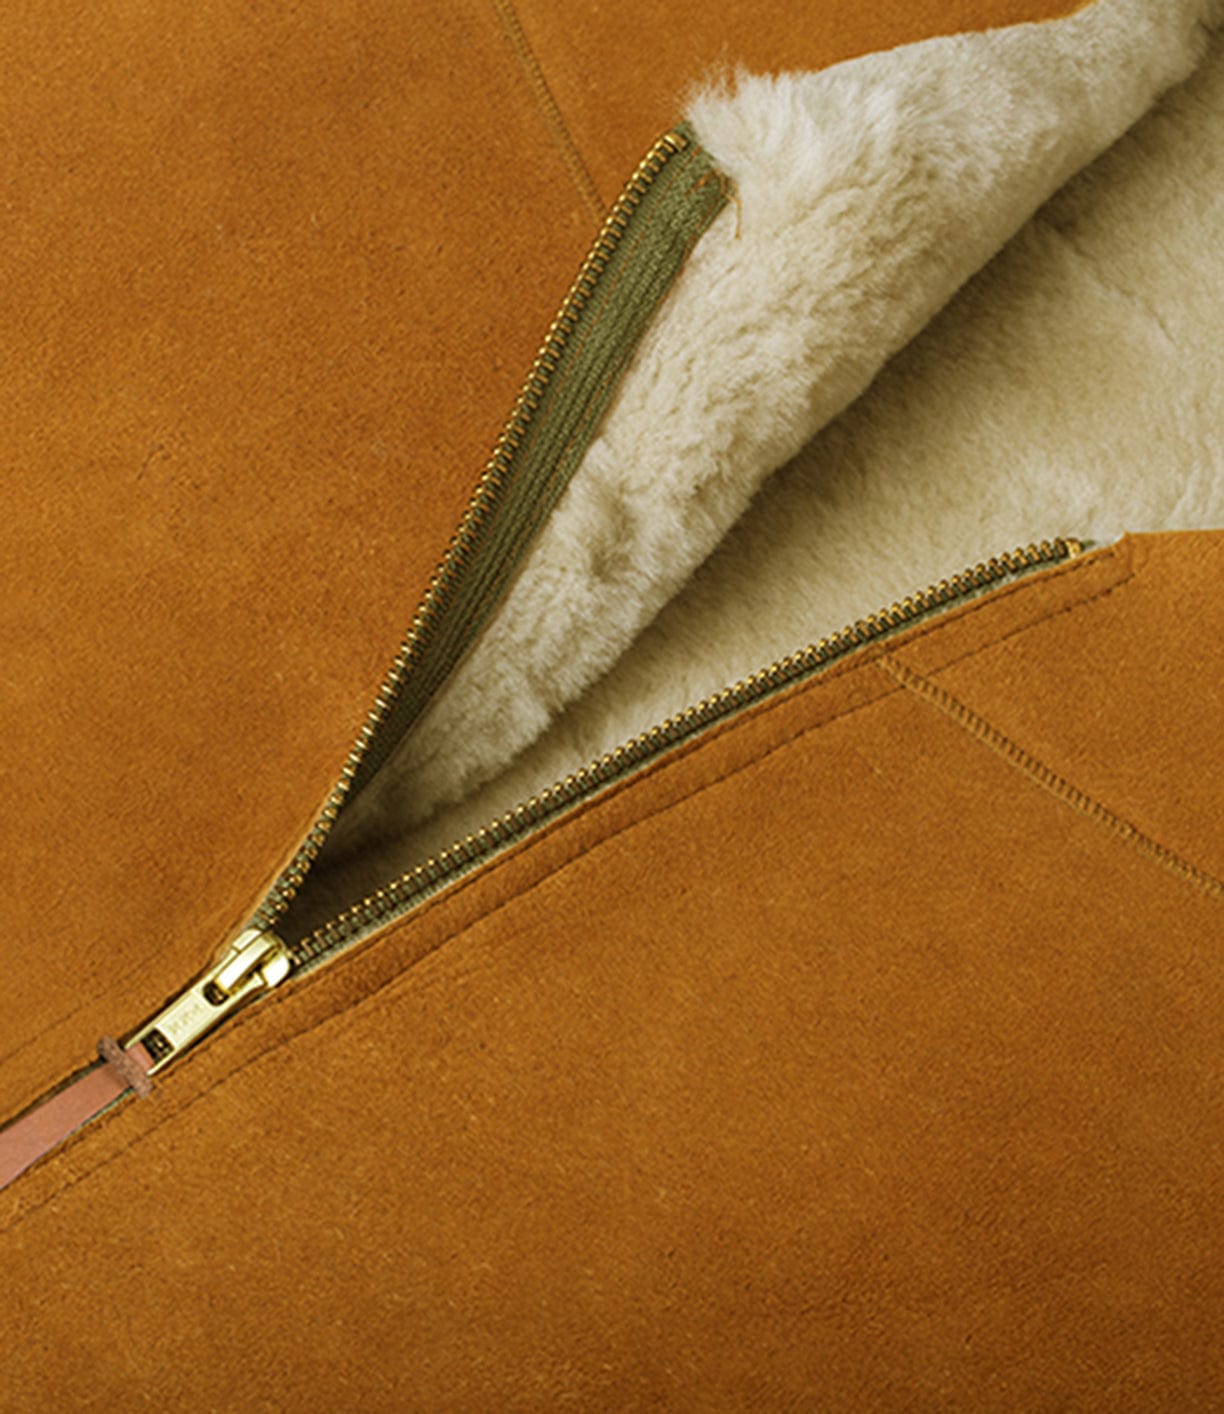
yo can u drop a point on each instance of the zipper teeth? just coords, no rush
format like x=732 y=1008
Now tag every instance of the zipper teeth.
x=482 y=504
x=428 y=878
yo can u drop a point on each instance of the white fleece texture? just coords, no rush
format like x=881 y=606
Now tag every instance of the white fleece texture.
x=1070 y=389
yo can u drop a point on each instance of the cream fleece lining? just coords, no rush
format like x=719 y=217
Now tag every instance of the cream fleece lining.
x=869 y=193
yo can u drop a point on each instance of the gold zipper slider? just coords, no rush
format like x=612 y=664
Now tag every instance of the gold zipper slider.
x=254 y=963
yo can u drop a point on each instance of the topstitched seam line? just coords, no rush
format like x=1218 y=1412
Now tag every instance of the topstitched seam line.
x=384 y=990
x=1048 y=779
x=833 y=672
x=549 y=109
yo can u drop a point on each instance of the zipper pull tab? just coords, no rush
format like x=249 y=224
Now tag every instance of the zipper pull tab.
x=254 y=963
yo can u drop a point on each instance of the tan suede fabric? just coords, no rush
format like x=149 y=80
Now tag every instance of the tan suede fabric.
x=863 y=1054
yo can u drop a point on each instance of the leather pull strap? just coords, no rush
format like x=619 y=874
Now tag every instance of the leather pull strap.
x=45 y=1125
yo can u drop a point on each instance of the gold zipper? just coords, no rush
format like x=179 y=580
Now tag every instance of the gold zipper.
x=412 y=888
x=259 y=960
x=484 y=500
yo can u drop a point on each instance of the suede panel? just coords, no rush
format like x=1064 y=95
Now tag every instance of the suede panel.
x=256 y=343
x=616 y=74
x=832 y=1059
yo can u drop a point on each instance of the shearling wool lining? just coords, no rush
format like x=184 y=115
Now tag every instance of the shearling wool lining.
x=868 y=194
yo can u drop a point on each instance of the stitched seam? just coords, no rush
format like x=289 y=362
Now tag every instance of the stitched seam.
x=383 y=992
x=832 y=673
x=1024 y=628
x=548 y=108
x=1048 y=779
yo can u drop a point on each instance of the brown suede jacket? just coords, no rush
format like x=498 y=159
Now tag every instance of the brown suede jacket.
x=852 y=1043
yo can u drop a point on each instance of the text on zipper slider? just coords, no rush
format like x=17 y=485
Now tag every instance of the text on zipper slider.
x=255 y=962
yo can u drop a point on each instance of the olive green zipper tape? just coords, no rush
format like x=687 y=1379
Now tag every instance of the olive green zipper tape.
x=663 y=210
x=673 y=210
